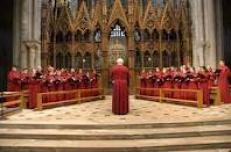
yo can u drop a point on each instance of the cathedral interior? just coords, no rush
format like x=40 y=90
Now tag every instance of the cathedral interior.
x=92 y=34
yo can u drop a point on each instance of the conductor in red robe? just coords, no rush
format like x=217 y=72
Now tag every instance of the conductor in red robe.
x=120 y=80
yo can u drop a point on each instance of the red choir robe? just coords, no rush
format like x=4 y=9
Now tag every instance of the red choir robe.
x=24 y=81
x=143 y=83
x=223 y=84
x=212 y=78
x=13 y=81
x=59 y=87
x=157 y=83
x=177 y=80
x=86 y=85
x=149 y=84
x=67 y=86
x=51 y=87
x=167 y=83
x=34 y=88
x=94 y=84
x=192 y=84
x=204 y=86
x=79 y=83
x=120 y=79
x=184 y=85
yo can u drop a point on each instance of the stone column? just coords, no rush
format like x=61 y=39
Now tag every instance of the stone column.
x=16 y=36
x=105 y=66
x=36 y=27
x=24 y=32
x=33 y=51
x=197 y=32
x=131 y=56
x=210 y=33
x=219 y=29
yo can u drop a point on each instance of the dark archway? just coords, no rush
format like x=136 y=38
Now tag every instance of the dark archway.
x=6 y=39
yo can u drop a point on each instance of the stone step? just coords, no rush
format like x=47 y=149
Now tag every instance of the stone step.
x=116 y=134
x=144 y=145
x=74 y=125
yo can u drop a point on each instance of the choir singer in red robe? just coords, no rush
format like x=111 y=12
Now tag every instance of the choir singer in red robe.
x=223 y=82
x=120 y=80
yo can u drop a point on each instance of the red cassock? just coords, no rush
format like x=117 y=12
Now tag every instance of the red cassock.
x=86 y=85
x=223 y=84
x=157 y=82
x=177 y=85
x=94 y=84
x=13 y=82
x=149 y=84
x=120 y=78
x=51 y=88
x=204 y=86
x=192 y=84
x=34 y=88
x=167 y=83
x=24 y=81
x=212 y=78
x=67 y=86
x=143 y=84
x=184 y=85
x=59 y=87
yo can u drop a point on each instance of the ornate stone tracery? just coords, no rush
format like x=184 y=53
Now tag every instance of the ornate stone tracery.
x=158 y=31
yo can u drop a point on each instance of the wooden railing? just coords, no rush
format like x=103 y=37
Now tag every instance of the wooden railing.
x=8 y=100
x=215 y=95
x=163 y=97
x=77 y=97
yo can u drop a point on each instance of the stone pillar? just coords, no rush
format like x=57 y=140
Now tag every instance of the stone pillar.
x=36 y=29
x=105 y=66
x=219 y=29
x=197 y=32
x=24 y=33
x=27 y=28
x=131 y=56
x=16 y=36
x=33 y=53
x=210 y=33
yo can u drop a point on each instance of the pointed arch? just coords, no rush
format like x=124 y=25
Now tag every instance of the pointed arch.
x=172 y=35
x=78 y=36
x=87 y=61
x=78 y=60
x=59 y=60
x=164 y=35
x=147 y=59
x=68 y=36
x=156 y=58
x=155 y=35
x=67 y=60
x=146 y=35
x=59 y=37
x=138 y=59
x=165 y=58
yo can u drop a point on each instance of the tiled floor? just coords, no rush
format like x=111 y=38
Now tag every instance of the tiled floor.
x=99 y=112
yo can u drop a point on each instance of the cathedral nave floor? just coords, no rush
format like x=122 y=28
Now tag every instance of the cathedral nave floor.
x=141 y=111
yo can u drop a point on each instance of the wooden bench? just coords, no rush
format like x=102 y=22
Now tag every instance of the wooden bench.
x=198 y=102
x=77 y=99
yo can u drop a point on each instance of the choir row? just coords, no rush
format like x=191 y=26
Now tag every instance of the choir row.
x=187 y=77
x=50 y=80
